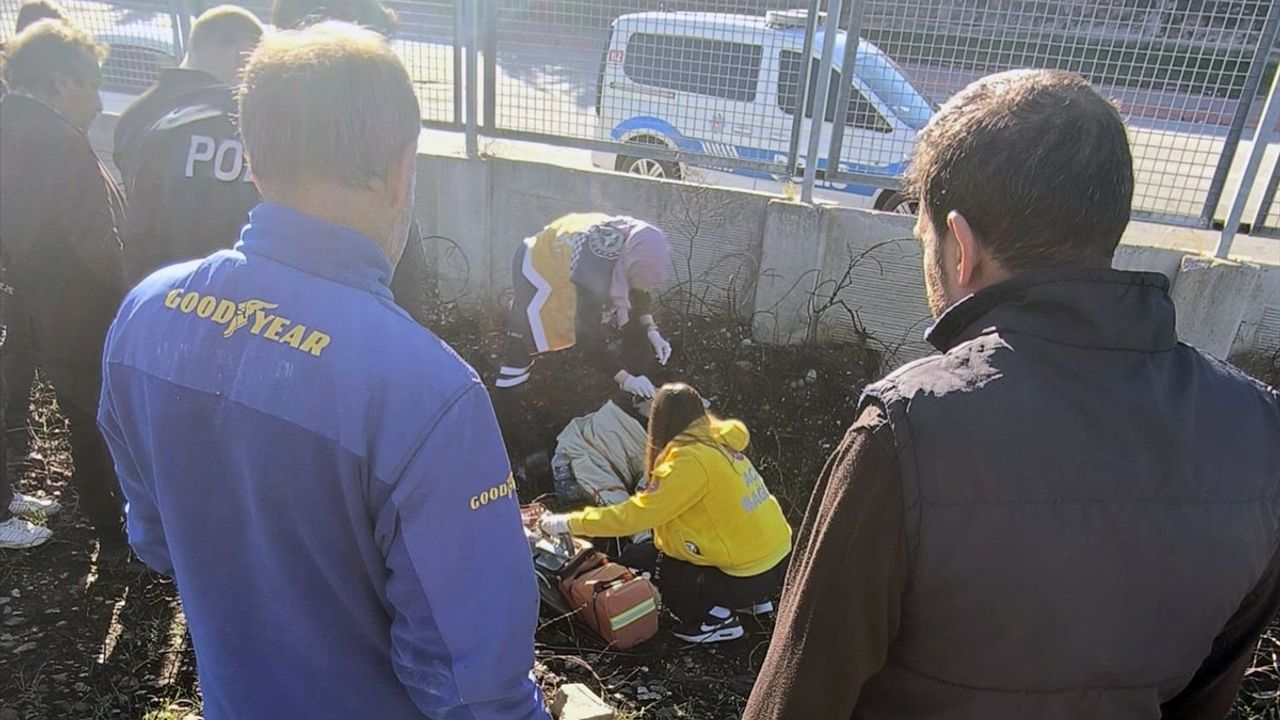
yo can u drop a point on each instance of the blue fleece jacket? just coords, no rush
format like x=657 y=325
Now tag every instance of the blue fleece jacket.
x=326 y=483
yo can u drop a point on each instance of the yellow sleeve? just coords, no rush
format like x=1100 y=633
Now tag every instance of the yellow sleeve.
x=681 y=482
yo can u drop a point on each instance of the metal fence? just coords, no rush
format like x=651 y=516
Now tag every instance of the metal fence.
x=765 y=93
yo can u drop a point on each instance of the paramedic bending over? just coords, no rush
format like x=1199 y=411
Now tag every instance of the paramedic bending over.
x=582 y=276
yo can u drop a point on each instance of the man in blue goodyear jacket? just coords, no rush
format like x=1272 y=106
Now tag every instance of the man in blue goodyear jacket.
x=323 y=478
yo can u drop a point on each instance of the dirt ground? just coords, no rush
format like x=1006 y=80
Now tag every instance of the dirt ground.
x=82 y=641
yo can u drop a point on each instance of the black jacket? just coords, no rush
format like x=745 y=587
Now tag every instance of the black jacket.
x=59 y=240
x=1087 y=504
x=190 y=191
x=176 y=87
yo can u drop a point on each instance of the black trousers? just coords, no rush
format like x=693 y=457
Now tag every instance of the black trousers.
x=690 y=591
x=75 y=372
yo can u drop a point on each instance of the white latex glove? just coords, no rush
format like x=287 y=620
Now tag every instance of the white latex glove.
x=552 y=524
x=661 y=348
x=635 y=384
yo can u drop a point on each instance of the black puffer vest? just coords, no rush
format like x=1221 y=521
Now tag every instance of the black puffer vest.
x=1087 y=503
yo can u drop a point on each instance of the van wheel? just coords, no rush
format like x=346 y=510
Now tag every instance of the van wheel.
x=649 y=167
x=898 y=204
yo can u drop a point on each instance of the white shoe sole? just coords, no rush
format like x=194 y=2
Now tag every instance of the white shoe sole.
x=26 y=544
x=34 y=510
x=723 y=634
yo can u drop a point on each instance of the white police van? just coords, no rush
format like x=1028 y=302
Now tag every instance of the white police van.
x=729 y=85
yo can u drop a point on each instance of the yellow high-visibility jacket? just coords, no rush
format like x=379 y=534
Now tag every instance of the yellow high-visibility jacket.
x=706 y=504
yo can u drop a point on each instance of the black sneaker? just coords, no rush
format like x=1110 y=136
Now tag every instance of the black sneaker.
x=719 y=625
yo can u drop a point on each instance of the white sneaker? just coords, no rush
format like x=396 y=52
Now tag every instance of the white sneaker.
x=31 y=505
x=16 y=534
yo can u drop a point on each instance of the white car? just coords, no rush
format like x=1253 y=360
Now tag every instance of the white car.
x=729 y=85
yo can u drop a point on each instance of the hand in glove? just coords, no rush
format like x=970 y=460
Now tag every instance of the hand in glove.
x=661 y=348
x=635 y=384
x=553 y=524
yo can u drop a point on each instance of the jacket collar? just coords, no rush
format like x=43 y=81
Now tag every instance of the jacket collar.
x=1094 y=308
x=182 y=78
x=316 y=247
x=20 y=95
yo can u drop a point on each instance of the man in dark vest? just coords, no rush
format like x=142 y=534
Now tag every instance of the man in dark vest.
x=1065 y=514
x=179 y=152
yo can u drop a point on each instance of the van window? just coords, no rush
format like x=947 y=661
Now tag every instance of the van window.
x=716 y=68
x=862 y=114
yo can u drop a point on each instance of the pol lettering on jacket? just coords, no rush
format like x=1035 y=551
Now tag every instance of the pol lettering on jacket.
x=226 y=156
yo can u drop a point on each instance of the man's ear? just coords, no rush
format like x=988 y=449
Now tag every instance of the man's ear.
x=399 y=174
x=970 y=256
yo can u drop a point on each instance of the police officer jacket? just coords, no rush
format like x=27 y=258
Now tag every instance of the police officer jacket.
x=175 y=88
x=190 y=192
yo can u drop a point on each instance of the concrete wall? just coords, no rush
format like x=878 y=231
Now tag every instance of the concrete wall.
x=795 y=272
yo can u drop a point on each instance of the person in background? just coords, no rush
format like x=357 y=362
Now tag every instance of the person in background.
x=720 y=540
x=180 y=153
x=60 y=212
x=221 y=39
x=32 y=11
x=1066 y=513
x=579 y=269
x=18 y=368
x=583 y=281
x=323 y=478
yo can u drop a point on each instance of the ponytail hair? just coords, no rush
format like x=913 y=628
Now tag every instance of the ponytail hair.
x=676 y=407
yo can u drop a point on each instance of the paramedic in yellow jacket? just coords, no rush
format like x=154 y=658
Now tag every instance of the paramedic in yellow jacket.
x=580 y=276
x=720 y=541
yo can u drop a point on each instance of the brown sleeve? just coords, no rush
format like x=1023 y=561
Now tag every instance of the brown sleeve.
x=1212 y=690
x=842 y=601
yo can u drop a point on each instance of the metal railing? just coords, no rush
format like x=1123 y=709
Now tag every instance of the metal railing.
x=765 y=93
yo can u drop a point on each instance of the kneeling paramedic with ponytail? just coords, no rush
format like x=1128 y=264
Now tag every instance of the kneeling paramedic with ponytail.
x=720 y=541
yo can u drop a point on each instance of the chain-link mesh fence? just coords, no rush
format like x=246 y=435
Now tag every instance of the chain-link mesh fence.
x=141 y=39
x=139 y=34
x=1183 y=74
x=725 y=90
x=1267 y=220
x=641 y=87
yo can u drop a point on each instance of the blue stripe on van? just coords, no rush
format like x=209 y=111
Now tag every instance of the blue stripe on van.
x=668 y=132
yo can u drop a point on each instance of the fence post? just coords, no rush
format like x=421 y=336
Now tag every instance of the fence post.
x=459 y=63
x=1266 y=125
x=180 y=19
x=851 y=43
x=802 y=92
x=1250 y=90
x=821 y=89
x=1268 y=197
x=488 y=30
x=470 y=38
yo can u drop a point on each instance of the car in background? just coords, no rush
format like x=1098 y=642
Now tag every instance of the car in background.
x=719 y=85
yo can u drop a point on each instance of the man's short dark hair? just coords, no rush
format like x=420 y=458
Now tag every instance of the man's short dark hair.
x=35 y=10
x=35 y=57
x=286 y=14
x=225 y=26
x=1037 y=162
